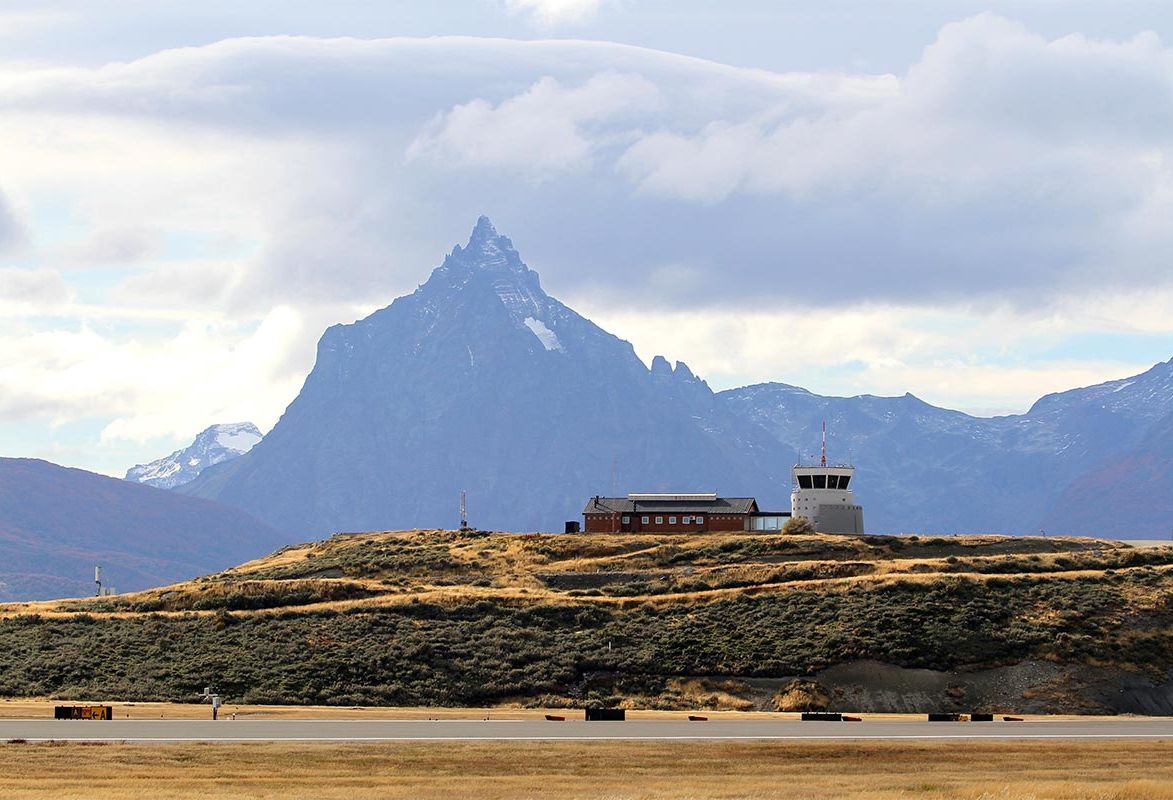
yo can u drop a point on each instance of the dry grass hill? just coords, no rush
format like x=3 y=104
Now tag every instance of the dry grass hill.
x=664 y=621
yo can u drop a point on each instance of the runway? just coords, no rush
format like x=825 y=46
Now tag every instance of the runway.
x=293 y=730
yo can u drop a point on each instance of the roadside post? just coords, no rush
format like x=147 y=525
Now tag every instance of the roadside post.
x=210 y=695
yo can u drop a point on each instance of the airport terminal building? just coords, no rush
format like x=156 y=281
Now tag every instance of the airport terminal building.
x=673 y=513
x=822 y=493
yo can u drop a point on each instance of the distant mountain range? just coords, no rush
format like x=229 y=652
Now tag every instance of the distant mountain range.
x=57 y=524
x=481 y=381
x=214 y=445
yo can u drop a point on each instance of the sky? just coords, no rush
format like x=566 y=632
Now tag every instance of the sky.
x=967 y=201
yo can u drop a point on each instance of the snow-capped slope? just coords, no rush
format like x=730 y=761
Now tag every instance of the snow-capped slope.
x=214 y=445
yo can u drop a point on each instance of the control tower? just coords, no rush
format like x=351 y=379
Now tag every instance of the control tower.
x=821 y=493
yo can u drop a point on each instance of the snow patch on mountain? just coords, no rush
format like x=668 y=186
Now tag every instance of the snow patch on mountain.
x=547 y=337
x=214 y=445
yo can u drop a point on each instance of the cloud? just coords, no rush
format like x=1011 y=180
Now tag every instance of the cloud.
x=164 y=385
x=12 y=232
x=37 y=290
x=973 y=358
x=543 y=131
x=549 y=13
x=117 y=247
x=1003 y=164
x=702 y=210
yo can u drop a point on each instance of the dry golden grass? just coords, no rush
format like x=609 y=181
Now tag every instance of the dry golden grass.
x=599 y=770
x=505 y=568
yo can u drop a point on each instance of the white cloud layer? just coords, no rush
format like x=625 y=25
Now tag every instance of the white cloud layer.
x=546 y=130
x=167 y=385
x=1007 y=189
x=32 y=290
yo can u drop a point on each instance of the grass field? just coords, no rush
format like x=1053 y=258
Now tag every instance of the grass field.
x=597 y=770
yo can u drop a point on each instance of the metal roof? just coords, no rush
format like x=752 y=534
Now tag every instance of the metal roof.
x=625 y=505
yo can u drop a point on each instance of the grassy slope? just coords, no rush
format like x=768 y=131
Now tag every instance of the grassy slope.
x=435 y=617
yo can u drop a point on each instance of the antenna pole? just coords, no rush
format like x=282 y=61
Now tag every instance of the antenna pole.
x=824 y=460
x=463 y=510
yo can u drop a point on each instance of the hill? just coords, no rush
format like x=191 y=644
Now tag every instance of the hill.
x=57 y=523
x=481 y=381
x=666 y=621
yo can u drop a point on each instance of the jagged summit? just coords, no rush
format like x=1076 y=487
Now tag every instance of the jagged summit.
x=483 y=231
x=486 y=250
x=489 y=263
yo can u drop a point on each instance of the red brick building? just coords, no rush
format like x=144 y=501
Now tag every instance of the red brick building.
x=669 y=513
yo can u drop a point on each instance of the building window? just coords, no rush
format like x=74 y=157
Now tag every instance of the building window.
x=644 y=520
x=659 y=520
x=627 y=520
x=671 y=520
x=686 y=520
x=700 y=520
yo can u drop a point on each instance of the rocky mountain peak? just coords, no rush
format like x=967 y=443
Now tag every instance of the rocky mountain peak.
x=213 y=445
x=487 y=250
x=483 y=231
x=490 y=263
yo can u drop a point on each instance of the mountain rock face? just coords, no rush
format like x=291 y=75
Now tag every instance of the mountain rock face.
x=57 y=523
x=481 y=381
x=214 y=445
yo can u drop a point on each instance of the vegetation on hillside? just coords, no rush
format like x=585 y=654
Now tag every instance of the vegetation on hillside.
x=447 y=618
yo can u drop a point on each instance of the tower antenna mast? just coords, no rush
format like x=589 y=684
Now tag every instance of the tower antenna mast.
x=824 y=459
x=463 y=510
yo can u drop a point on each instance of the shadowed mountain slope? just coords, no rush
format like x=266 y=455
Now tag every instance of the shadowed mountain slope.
x=57 y=523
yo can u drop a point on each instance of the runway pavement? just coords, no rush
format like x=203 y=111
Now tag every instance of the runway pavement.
x=251 y=730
